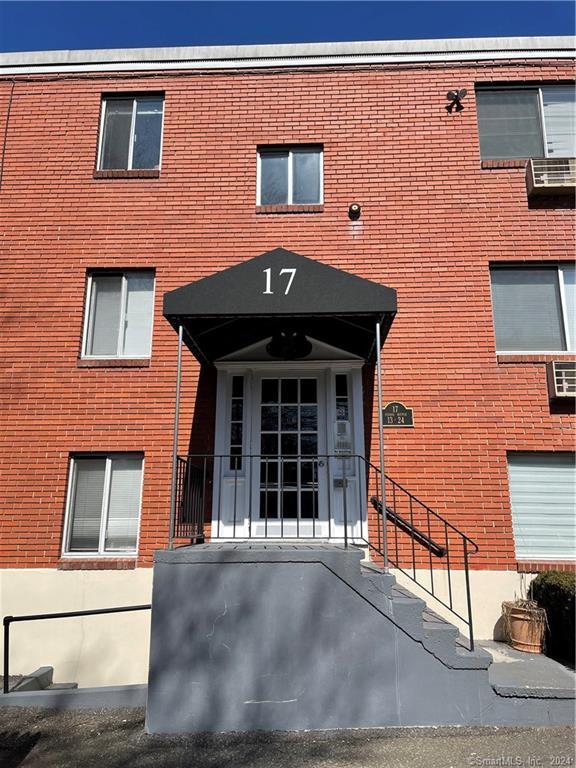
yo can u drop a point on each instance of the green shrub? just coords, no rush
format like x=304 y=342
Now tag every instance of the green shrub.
x=555 y=592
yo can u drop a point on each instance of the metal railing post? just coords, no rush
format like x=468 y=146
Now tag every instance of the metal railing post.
x=345 y=500
x=175 y=442
x=6 y=684
x=468 y=596
x=61 y=615
x=381 y=450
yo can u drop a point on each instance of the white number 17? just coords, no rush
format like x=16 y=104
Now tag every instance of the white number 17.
x=268 y=273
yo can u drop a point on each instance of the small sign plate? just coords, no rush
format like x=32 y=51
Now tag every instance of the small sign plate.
x=397 y=415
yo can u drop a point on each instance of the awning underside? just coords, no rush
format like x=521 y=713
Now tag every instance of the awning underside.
x=253 y=300
x=210 y=339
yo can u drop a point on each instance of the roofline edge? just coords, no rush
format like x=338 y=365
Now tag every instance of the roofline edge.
x=286 y=55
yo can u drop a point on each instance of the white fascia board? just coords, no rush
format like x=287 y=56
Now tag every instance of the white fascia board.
x=287 y=55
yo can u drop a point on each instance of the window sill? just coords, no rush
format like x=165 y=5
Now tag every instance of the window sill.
x=98 y=564
x=135 y=174
x=114 y=362
x=289 y=209
x=528 y=357
x=536 y=566
x=492 y=165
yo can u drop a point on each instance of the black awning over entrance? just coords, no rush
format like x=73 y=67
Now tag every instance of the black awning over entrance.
x=280 y=291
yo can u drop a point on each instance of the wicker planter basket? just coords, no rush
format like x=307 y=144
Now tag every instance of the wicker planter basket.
x=525 y=625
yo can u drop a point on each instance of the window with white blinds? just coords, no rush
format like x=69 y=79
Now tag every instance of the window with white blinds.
x=104 y=505
x=559 y=109
x=534 y=308
x=543 y=500
x=527 y=122
x=119 y=315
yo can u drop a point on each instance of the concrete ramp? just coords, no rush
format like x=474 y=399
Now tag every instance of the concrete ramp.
x=296 y=637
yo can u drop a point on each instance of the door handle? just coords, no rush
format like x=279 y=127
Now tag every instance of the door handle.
x=320 y=463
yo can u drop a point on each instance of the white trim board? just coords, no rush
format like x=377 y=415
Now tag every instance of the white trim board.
x=288 y=55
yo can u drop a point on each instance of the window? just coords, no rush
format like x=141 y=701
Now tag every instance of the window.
x=103 y=505
x=543 y=500
x=119 y=314
x=289 y=176
x=534 y=308
x=131 y=133
x=527 y=122
x=236 y=422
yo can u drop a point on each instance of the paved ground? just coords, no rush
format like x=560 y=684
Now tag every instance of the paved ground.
x=527 y=671
x=39 y=738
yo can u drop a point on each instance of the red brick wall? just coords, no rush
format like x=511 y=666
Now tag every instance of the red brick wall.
x=432 y=221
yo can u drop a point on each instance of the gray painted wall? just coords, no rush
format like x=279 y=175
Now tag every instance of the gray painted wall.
x=290 y=638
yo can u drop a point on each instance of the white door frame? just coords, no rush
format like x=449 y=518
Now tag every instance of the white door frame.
x=228 y=483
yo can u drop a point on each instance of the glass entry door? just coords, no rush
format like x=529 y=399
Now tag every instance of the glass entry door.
x=285 y=463
x=290 y=439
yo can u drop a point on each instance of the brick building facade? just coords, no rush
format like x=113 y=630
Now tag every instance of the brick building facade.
x=436 y=218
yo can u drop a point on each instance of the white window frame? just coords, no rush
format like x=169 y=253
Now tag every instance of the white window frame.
x=542 y=121
x=291 y=150
x=121 y=326
x=570 y=343
x=100 y=552
x=135 y=99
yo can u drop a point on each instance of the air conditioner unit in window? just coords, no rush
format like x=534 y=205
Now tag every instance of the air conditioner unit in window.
x=562 y=379
x=551 y=176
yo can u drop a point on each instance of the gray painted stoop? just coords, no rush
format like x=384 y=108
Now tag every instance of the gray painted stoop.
x=278 y=636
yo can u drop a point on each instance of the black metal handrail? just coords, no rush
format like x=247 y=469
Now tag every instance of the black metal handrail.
x=7 y=620
x=204 y=479
x=429 y=510
x=405 y=526
x=462 y=547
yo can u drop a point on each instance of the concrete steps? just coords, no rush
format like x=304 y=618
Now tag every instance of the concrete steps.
x=296 y=636
x=41 y=680
x=438 y=636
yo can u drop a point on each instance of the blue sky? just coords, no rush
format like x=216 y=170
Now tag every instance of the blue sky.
x=53 y=25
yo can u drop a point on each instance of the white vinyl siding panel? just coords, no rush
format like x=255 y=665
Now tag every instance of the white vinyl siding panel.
x=542 y=494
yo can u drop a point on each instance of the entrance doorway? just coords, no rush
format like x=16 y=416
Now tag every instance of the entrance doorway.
x=289 y=440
